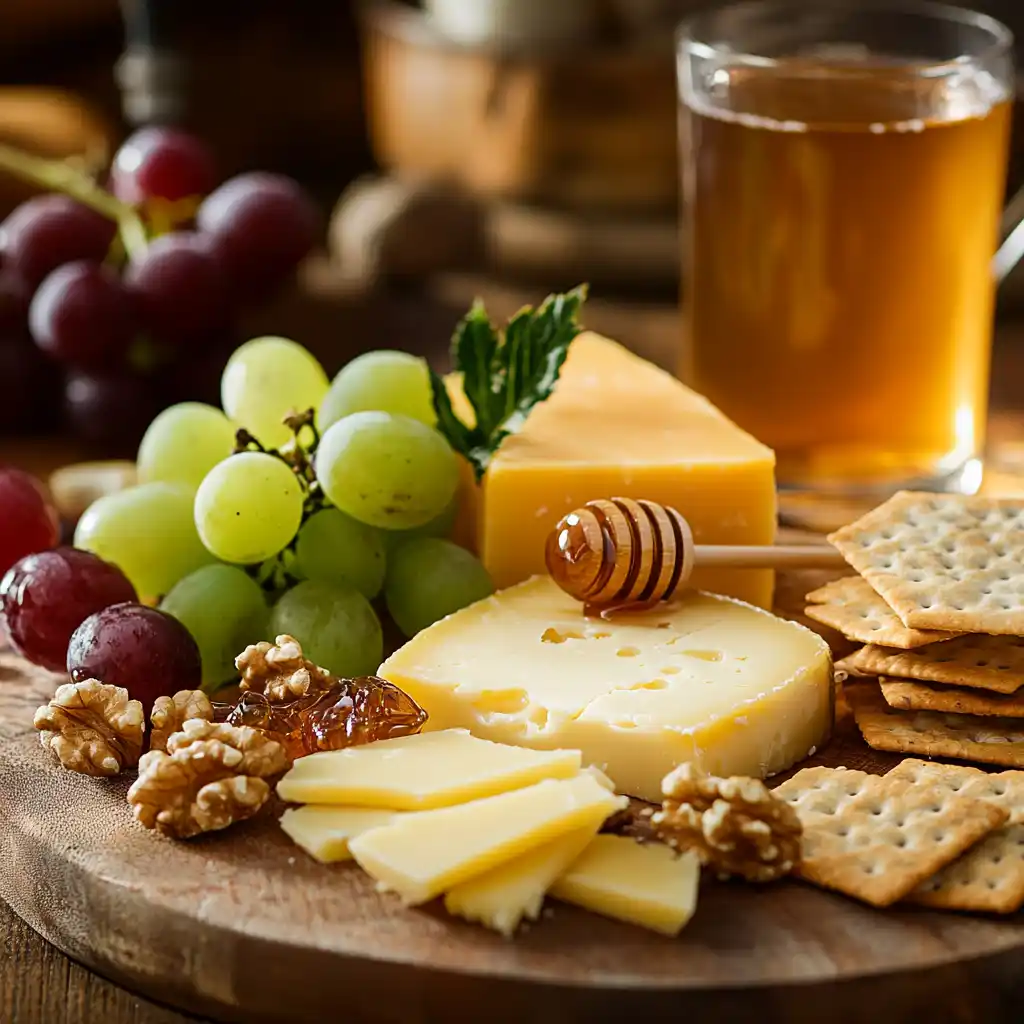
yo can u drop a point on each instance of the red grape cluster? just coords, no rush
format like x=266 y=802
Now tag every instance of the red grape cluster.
x=125 y=328
x=69 y=609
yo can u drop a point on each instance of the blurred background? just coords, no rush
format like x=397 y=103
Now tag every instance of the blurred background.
x=453 y=148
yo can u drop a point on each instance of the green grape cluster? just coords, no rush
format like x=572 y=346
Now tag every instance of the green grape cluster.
x=304 y=507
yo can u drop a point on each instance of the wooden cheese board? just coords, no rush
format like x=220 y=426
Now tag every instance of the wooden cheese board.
x=243 y=926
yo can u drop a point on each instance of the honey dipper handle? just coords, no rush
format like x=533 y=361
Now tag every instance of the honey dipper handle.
x=780 y=556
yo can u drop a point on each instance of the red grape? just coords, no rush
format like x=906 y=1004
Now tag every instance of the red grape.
x=46 y=597
x=197 y=378
x=148 y=652
x=112 y=410
x=28 y=522
x=262 y=225
x=49 y=230
x=161 y=163
x=81 y=315
x=32 y=403
x=180 y=291
x=14 y=296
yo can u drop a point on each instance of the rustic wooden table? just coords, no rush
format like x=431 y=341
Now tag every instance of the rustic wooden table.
x=39 y=985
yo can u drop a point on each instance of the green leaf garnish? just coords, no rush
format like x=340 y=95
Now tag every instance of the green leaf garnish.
x=505 y=374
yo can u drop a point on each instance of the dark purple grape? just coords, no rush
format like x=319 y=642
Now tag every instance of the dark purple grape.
x=261 y=225
x=45 y=597
x=48 y=231
x=161 y=163
x=81 y=315
x=14 y=297
x=197 y=377
x=31 y=401
x=28 y=522
x=179 y=289
x=147 y=651
x=110 y=410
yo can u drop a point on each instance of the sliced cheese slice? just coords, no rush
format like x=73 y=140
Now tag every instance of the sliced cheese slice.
x=702 y=678
x=420 y=856
x=435 y=769
x=324 y=831
x=648 y=885
x=502 y=897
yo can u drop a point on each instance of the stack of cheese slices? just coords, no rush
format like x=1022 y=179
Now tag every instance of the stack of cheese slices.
x=492 y=828
x=939 y=606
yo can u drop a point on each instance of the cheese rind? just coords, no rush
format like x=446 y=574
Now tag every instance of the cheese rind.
x=432 y=769
x=617 y=425
x=648 y=884
x=420 y=856
x=502 y=897
x=702 y=678
x=324 y=831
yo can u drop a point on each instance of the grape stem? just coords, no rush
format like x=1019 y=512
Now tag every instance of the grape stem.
x=59 y=176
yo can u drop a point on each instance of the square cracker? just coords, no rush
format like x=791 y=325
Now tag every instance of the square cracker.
x=989 y=877
x=908 y=695
x=943 y=561
x=852 y=606
x=985 y=662
x=877 y=838
x=849 y=666
x=988 y=740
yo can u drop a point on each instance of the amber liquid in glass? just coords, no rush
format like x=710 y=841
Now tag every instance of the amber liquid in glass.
x=838 y=288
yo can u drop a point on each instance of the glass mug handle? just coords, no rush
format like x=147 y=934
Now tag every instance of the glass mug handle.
x=1011 y=233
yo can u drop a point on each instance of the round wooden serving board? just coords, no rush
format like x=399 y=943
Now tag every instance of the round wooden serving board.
x=243 y=926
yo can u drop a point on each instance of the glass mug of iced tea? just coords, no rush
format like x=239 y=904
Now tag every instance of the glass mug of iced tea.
x=843 y=174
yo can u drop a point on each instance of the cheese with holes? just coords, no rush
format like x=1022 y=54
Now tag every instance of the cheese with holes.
x=702 y=678
x=419 y=856
x=618 y=426
x=432 y=769
x=324 y=831
x=503 y=897
x=648 y=885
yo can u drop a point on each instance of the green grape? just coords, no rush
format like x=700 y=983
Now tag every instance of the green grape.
x=266 y=379
x=184 y=443
x=224 y=609
x=439 y=526
x=336 y=548
x=336 y=626
x=248 y=507
x=430 y=578
x=387 y=381
x=387 y=470
x=148 y=532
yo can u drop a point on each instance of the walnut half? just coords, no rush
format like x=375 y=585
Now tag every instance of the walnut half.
x=736 y=826
x=210 y=776
x=92 y=728
x=169 y=714
x=280 y=671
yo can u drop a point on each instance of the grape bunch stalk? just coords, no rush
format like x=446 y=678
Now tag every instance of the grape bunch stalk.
x=303 y=506
x=117 y=297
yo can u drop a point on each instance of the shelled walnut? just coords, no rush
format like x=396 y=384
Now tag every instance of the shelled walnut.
x=280 y=671
x=736 y=826
x=210 y=776
x=169 y=714
x=92 y=728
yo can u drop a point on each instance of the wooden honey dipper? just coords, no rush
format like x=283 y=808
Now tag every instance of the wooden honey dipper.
x=617 y=552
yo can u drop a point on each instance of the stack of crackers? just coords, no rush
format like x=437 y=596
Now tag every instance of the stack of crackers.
x=945 y=836
x=938 y=603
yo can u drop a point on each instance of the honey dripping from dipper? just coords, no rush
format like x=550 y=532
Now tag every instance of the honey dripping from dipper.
x=619 y=554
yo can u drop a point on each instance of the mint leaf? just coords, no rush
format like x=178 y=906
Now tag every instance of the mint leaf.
x=505 y=374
